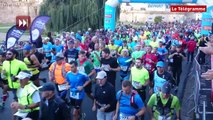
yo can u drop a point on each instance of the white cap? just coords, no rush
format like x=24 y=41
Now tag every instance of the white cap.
x=23 y=74
x=101 y=75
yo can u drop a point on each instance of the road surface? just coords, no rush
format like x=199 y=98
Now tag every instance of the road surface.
x=6 y=114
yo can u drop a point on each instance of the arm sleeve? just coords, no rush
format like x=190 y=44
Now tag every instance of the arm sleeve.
x=23 y=66
x=147 y=75
x=51 y=67
x=151 y=101
x=67 y=67
x=36 y=97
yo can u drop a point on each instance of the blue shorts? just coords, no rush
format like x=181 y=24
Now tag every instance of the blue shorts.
x=124 y=77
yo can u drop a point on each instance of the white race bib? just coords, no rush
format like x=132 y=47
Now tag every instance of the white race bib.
x=62 y=87
x=124 y=68
x=136 y=85
x=123 y=117
x=105 y=67
x=75 y=95
x=21 y=114
x=70 y=60
x=171 y=60
x=81 y=69
x=164 y=118
x=148 y=66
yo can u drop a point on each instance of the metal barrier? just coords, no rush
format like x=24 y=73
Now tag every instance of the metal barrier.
x=197 y=96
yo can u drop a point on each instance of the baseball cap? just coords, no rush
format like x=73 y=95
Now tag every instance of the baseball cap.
x=125 y=50
x=178 y=46
x=166 y=88
x=70 y=42
x=27 y=47
x=49 y=86
x=59 y=56
x=24 y=74
x=160 y=64
x=101 y=75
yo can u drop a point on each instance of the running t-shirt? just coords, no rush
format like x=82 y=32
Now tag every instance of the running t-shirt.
x=147 y=58
x=105 y=64
x=124 y=63
x=71 y=55
x=74 y=81
x=139 y=75
x=94 y=56
x=47 y=48
x=153 y=101
x=125 y=104
x=138 y=54
x=85 y=67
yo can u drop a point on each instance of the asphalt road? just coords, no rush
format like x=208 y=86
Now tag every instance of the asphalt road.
x=6 y=114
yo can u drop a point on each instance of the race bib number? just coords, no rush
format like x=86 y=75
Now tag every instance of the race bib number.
x=75 y=95
x=62 y=87
x=81 y=69
x=124 y=68
x=171 y=60
x=123 y=117
x=164 y=118
x=148 y=66
x=70 y=60
x=105 y=67
x=136 y=85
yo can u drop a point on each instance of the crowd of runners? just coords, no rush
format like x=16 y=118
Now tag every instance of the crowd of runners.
x=146 y=59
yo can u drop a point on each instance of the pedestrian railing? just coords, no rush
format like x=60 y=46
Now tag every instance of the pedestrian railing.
x=199 y=99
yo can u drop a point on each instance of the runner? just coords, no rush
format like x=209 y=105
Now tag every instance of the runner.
x=71 y=54
x=57 y=73
x=105 y=100
x=86 y=66
x=163 y=105
x=129 y=106
x=32 y=63
x=11 y=67
x=139 y=78
x=77 y=81
x=125 y=63
x=109 y=65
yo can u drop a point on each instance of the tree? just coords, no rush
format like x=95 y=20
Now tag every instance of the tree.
x=158 y=19
x=73 y=15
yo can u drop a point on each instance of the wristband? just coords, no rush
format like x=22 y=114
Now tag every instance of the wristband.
x=26 y=107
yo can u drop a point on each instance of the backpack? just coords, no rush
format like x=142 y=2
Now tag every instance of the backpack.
x=164 y=109
x=132 y=99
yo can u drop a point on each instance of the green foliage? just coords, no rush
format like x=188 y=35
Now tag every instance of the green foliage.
x=73 y=15
x=158 y=19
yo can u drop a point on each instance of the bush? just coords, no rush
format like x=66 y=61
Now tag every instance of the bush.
x=158 y=19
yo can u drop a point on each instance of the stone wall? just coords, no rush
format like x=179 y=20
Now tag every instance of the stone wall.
x=9 y=9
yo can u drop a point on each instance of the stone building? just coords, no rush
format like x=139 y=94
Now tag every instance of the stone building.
x=9 y=9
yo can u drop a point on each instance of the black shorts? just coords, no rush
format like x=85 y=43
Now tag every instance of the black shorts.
x=76 y=103
x=88 y=88
x=34 y=77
